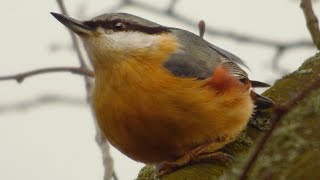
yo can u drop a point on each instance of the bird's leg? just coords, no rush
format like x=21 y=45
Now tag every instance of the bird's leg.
x=203 y=153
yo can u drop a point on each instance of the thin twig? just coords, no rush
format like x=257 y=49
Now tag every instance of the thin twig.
x=276 y=58
x=126 y=1
x=40 y=101
x=171 y=6
x=104 y=146
x=21 y=76
x=202 y=28
x=278 y=115
x=73 y=36
x=312 y=21
x=76 y=46
x=114 y=176
x=100 y=139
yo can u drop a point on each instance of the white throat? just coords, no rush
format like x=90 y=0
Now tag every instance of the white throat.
x=131 y=40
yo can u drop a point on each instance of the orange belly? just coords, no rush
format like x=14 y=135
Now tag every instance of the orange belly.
x=153 y=122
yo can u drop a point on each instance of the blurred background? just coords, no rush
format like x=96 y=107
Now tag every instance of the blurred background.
x=46 y=127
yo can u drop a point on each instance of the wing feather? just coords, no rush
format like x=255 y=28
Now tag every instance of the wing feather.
x=200 y=58
x=197 y=58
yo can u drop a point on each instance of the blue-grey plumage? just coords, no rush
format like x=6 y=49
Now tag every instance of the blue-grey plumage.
x=197 y=57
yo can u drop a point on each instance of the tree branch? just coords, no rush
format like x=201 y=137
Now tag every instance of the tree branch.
x=76 y=47
x=202 y=28
x=276 y=58
x=40 y=101
x=279 y=113
x=100 y=139
x=312 y=21
x=73 y=37
x=21 y=76
x=171 y=6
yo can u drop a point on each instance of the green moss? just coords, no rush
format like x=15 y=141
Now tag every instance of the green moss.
x=190 y=172
x=261 y=122
x=293 y=83
x=147 y=173
x=297 y=134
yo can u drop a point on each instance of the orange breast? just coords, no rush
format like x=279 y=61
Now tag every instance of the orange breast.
x=151 y=116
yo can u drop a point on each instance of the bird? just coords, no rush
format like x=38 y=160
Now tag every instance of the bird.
x=163 y=95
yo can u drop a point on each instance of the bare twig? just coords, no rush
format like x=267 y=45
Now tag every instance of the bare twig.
x=120 y=5
x=53 y=47
x=73 y=37
x=126 y=1
x=277 y=116
x=202 y=28
x=276 y=58
x=39 y=101
x=106 y=155
x=76 y=46
x=312 y=21
x=21 y=76
x=115 y=177
x=171 y=6
x=100 y=139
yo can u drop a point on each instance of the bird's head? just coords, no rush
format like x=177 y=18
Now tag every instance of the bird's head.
x=115 y=38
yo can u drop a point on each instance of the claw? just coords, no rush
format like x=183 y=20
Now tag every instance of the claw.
x=169 y=167
x=215 y=156
x=165 y=168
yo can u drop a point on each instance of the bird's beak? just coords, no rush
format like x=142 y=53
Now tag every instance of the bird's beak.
x=74 y=25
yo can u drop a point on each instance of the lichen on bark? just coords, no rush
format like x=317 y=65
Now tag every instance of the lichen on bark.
x=292 y=152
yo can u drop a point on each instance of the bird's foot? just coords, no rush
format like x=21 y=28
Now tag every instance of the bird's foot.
x=167 y=167
x=203 y=153
x=217 y=156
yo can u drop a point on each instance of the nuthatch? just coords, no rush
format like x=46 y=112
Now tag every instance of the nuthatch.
x=164 y=95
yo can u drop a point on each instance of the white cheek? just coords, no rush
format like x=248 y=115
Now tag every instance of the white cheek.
x=131 y=40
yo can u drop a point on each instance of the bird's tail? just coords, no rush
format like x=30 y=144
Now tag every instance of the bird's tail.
x=261 y=102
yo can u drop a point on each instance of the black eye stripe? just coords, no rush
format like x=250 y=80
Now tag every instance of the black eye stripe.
x=127 y=26
x=103 y=24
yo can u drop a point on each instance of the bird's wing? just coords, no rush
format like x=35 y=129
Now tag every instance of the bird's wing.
x=197 y=58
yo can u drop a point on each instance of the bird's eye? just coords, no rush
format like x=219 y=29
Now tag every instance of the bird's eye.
x=118 y=25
